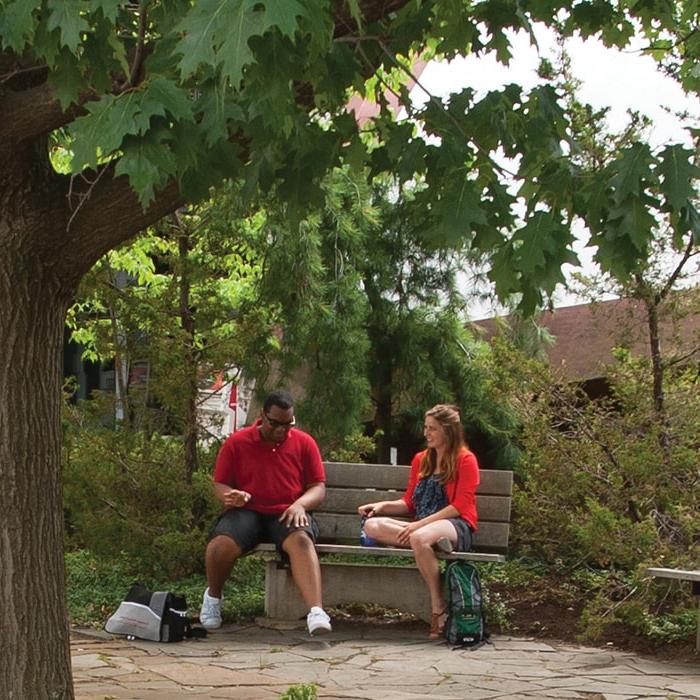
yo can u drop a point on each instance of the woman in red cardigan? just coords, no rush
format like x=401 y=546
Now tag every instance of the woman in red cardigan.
x=441 y=495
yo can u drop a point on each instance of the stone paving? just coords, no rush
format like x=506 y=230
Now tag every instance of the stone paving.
x=366 y=663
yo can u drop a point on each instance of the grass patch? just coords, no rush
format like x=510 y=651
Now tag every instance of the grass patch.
x=95 y=586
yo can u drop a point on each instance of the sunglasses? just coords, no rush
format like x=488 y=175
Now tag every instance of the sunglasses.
x=280 y=424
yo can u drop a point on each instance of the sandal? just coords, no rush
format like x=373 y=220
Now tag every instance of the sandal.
x=437 y=624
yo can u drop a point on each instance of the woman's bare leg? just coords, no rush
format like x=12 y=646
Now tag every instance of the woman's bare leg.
x=422 y=542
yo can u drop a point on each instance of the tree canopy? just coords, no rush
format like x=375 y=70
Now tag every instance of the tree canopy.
x=163 y=99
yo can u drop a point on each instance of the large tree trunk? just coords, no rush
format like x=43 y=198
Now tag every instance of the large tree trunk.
x=47 y=243
x=33 y=615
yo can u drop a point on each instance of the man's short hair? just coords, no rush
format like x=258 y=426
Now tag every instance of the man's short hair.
x=280 y=398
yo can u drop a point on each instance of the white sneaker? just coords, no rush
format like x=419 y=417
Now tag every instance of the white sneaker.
x=210 y=614
x=317 y=621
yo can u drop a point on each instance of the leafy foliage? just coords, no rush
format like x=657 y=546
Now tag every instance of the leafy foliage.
x=132 y=308
x=368 y=311
x=130 y=492
x=300 y=691
x=594 y=489
x=195 y=92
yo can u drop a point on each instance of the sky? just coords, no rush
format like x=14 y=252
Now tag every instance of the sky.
x=620 y=80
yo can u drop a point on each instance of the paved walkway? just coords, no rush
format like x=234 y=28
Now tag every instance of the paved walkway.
x=367 y=663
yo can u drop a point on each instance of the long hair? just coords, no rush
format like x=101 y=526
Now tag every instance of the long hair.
x=448 y=418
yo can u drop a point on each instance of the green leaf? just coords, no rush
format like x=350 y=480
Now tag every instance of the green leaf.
x=456 y=213
x=66 y=78
x=632 y=172
x=216 y=33
x=542 y=245
x=633 y=223
x=691 y=221
x=234 y=50
x=678 y=175
x=66 y=15
x=162 y=95
x=284 y=14
x=148 y=164
x=355 y=12
x=216 y=111
x=102 y=130
x=535 y=239
x=197 y=45
x=17 y=24
x=109 y=8
x=104 y=53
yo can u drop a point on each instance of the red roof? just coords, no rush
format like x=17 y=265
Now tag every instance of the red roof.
x=584 y=335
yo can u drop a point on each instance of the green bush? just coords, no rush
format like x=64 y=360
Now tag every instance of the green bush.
x=301 y=691
x=127 y=492
x=96 y=585
x=607 y=488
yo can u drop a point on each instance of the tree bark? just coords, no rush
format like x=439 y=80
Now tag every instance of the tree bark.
x=45 y=252
x=32 y=576
x=656 y=359
x=190 y=359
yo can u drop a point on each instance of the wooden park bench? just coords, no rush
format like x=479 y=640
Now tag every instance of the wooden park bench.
x=682 y=575
x=386 y=584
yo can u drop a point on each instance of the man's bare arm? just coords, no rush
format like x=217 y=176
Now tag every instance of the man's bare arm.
x=229 y=497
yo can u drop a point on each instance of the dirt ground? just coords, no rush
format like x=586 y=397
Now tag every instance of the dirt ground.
x=550 y=621
x=532 y=616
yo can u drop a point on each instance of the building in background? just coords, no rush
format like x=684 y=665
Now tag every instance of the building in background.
x=584 y=337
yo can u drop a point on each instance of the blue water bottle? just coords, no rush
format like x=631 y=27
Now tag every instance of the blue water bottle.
x=365 y=539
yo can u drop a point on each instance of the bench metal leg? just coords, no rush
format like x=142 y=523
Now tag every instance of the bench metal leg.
x=348 y=583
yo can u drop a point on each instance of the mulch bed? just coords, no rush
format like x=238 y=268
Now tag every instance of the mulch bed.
x=537 y=617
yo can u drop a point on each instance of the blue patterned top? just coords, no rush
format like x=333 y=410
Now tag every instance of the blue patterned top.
x=429 y=496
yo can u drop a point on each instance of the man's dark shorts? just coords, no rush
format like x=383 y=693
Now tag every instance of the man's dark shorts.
x=247 y=528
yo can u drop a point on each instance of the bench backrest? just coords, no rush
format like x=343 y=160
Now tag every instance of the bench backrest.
x=350 y=485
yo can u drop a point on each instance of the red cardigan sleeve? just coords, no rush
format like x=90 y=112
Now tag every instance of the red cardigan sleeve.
x=462 y=491
x=412 y=481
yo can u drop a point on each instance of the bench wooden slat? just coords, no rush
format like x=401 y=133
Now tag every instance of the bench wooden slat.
x=675 y=573
x=345 y=529
x=387 y=476
x=683 y=575
x=389 y=552
x=337 y=500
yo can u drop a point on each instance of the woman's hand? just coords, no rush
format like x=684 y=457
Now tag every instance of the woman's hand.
x=404 y=535
x=370 y=509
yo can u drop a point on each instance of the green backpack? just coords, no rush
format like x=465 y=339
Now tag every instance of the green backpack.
x=465 y=626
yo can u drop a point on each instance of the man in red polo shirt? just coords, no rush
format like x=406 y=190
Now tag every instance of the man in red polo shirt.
x=268 y=477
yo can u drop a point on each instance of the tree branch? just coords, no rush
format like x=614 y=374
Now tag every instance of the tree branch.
x=370 y=11
x=34 y=112
x=681 y=263
x=110 y=214
x=138 y=55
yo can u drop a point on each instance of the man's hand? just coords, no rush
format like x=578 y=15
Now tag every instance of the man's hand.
x=235 y=499
x=295 y=516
